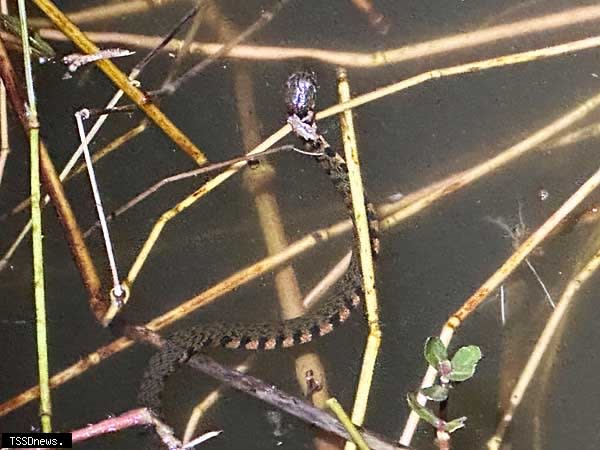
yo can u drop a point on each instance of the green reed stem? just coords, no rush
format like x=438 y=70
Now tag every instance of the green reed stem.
x=337 y=409
x=36 y=219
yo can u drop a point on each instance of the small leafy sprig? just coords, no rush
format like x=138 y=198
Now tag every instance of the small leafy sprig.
x=459 y=368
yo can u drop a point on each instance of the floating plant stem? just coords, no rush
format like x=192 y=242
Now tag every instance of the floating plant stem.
x=361 y=217
x=376 y=19
x=166 y=39
x=36 y=218
x=337 y=409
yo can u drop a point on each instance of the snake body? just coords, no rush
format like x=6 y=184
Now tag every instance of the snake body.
x=348 y=292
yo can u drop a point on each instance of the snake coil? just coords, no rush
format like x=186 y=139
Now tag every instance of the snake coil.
x=348 y=292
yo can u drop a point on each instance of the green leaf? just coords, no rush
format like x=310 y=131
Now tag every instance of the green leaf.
x=455 y=424
x=436 y=393
x=435 y=351
x=423 y=412
x=464 y=363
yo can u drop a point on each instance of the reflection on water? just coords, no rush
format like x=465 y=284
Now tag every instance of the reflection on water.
x=430 y=263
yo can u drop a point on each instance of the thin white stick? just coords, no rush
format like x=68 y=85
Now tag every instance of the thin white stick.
x=539 y=280
x=117 y=290
x=502 y=306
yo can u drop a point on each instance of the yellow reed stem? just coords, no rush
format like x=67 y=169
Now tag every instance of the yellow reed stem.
x=36 y=219
x=337 y=409
x=494 y=281
x=366 y=257
x=423 y=198
x=472 y=67
x=121 y=81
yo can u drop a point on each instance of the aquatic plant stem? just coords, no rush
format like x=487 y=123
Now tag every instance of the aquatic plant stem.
x=33 y=128
x=541 y=347
x=361 y=219
x=110 y=69
x=573 y=17
x=495 y=280
x=337 y=409
x=327 y=281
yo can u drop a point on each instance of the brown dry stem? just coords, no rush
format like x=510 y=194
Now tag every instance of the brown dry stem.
x=121 y=81
x=54 y=188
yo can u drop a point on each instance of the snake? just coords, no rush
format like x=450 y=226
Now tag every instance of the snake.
x=348 y=293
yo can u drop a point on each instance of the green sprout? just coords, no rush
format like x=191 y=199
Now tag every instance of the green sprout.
x=459 y=368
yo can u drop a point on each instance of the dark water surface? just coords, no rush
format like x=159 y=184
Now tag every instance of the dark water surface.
x=428 y=266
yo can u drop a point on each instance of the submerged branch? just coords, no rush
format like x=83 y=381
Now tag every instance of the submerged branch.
x=268 y=393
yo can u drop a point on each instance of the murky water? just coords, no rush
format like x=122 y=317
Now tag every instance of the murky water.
x=428 y=266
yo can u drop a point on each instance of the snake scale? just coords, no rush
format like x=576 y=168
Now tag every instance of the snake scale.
x=300 y=97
